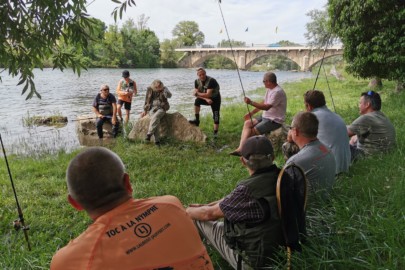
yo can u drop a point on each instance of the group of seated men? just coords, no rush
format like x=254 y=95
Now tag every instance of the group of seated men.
x=243 y=226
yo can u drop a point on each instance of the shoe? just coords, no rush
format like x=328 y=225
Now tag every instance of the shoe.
x=236 y=153
x=148 y=136
x=157 y=144
x=215 y=135
x=194 y=122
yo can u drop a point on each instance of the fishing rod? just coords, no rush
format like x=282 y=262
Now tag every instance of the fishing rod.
x=18 y=223
x=234 y=58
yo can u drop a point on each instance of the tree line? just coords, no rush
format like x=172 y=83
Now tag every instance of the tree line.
x=35 y=34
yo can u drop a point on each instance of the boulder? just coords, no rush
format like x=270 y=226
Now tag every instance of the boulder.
x=87 y=132
x=173 y=125
x=278 y=137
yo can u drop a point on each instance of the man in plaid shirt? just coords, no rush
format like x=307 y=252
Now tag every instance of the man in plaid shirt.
x=251 y=228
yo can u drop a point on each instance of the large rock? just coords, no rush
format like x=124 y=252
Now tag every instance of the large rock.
x=87 y=132
x=278 y=137
x=173 y=125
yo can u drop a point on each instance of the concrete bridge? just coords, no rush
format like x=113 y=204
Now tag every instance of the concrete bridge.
x=305 y=57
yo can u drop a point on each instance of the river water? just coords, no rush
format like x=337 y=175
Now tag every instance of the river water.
x=66 y=94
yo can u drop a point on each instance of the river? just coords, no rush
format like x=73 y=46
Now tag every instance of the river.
x=66 y=94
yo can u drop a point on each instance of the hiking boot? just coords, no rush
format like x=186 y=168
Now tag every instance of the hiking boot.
x=148 y=136
x=194 y=122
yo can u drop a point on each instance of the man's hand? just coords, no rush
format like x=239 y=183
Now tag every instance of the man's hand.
x=248 y=101
x=247 y=116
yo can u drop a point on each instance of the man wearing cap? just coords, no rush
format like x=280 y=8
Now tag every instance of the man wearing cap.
x=314 y=157
x=105 y=108
x=372 y=132
x=206 y=91
x=274 y=108
x=126 y=233
x=126 y=89
x=251 y=229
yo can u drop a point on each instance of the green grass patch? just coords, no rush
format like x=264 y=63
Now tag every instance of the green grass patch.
x=361 y=227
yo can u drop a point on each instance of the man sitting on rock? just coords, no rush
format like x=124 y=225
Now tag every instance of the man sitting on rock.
x=156 y=105
x=105 y=108
x=372 y=132
x=274 y=108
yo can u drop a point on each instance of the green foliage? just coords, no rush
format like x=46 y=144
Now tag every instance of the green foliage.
x=359 y=228
x=168 y=56
x=319 y=33
x=373 y=36
x=30 y=31
x=187 y=33
x=235 y=43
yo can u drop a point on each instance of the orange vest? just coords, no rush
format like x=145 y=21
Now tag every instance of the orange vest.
x=139 y=234
x=122 y=87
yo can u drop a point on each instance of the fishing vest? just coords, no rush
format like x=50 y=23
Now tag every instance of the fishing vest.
x=164 y=103
x=202 y=87
x=104 y=105
x=257 y=243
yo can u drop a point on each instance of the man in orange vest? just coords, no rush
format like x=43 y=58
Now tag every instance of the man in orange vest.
x=127 y=233
x=126 y=89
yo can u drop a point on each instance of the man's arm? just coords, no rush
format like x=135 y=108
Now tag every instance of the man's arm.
x=114 y=116
x=205 y=212
x=349 y=132
x=258 y=105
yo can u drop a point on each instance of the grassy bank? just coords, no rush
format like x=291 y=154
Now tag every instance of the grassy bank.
x=362 y=227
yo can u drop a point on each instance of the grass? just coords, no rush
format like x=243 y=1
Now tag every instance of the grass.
x=361 y=227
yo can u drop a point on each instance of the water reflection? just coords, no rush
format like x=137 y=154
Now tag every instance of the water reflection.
x=63 y=93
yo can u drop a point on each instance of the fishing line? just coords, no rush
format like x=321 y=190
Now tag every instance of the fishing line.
x=234 y=58
x=330 y=92
x=18 y=223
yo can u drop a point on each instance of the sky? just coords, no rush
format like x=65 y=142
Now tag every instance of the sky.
x=251 y=21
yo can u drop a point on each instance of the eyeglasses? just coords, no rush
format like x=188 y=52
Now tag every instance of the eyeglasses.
x=105 y=89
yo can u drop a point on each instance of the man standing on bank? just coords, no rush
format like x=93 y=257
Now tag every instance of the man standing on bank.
x=105 y=108
x=206 y=91
x=274 y=108
x=126 y=89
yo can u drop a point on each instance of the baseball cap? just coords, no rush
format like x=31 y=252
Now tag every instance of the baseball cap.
x=257 y=145
x=125 y=74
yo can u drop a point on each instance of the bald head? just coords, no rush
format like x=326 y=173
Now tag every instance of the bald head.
x=95 y=178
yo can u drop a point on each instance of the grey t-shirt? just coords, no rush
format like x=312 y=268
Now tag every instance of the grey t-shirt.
x=319 y=166
x=332 y=132
x=375 y=133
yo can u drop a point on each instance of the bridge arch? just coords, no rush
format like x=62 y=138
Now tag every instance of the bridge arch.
x=326 y=57
x=201 y=60
x=255 y=60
